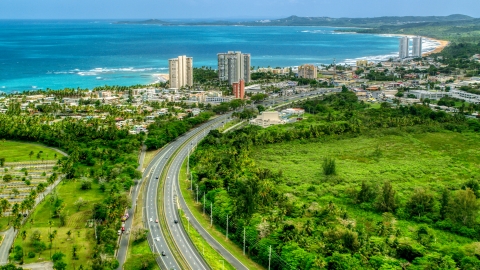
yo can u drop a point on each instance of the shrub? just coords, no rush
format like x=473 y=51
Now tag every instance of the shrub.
x=86 y=185
x=57 y=256
x=367 y=193
x=31 y=255
x=329 y=166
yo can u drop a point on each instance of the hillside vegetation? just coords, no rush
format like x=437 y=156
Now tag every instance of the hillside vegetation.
x=348 y=188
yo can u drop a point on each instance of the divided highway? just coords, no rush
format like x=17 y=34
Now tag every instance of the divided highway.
x=157 y=240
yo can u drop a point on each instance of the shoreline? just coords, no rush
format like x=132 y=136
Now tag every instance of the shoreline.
x=442 y=45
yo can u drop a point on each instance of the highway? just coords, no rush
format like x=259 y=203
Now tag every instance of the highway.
x=157 y=240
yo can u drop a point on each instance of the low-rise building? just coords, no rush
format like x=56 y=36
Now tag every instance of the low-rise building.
x=266 y=119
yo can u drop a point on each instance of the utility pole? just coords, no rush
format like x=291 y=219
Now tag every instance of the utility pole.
x=269 y=256
x=211 y=214
x=197 y=193
x=226 y=235
x=204 y=202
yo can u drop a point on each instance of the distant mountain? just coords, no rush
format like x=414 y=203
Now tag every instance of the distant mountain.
x=358 y=22
x=322 y=21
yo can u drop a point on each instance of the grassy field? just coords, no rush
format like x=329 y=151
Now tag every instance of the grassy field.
x=409 y=161
x=82 y=235
x=19 y=151
x=204 y=220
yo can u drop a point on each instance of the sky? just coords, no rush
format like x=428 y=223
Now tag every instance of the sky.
x=224 y=9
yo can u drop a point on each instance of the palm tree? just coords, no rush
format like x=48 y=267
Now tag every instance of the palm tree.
x=4 y=205
x=23 y=234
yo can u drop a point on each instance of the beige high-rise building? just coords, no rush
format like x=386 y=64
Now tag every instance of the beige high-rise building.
x=233 y=67
x=180 y=71
x=307 y=71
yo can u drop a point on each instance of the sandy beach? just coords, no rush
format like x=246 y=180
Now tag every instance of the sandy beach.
x=161 y=77
x=439 y=48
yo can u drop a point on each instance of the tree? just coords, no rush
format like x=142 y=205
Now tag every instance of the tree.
x=59 y=265
x=421 y=203
x=463 y=207
x=139 y=234
x=79 y=203
x=386 y=200
x=7 y=178
x=2 y=161
x=4 y=205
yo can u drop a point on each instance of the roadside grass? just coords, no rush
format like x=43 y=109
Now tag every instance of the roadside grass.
x=432 y=161
x=149 y=155
x=229 y=124
x=213 y=258
x=140 y=248
x=204 y=220
x=4 y=224
x=14 y=151
x=81 y=235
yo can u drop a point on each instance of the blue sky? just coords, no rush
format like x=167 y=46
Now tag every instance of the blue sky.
x=168 y=9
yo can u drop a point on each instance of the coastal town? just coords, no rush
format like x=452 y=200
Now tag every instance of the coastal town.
x=291 y=143
x=408 y=79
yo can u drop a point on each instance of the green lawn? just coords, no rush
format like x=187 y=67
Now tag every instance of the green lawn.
x=82 y=235
x=14 y=151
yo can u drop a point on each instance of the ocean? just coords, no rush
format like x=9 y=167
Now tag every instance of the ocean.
x=86 y=53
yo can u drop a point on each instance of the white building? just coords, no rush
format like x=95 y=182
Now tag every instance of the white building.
x=403 y=48
x=233 y=67
x=180 y=72
x=417 y=47
x=267 y=119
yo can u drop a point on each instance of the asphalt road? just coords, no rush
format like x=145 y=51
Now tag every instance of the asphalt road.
x=181 y=239
x=174 y=184
x=125 y=236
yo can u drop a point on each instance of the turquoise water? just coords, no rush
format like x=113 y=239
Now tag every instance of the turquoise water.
x=58 y=54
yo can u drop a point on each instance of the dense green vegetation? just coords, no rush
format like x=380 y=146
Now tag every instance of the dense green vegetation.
x=101 y=157
x=349 y=188
x=165 y=130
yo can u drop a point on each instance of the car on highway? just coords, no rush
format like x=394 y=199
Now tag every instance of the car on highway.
x=156 y=220
x=163 y=253
x=176 y=221
x=151 y=219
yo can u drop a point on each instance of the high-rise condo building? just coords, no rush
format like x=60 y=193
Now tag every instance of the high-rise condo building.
x=233 y=67
x=307 y=71
x=417 y=47
x=403 y=48
x=180 y=72
x=239 y=89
